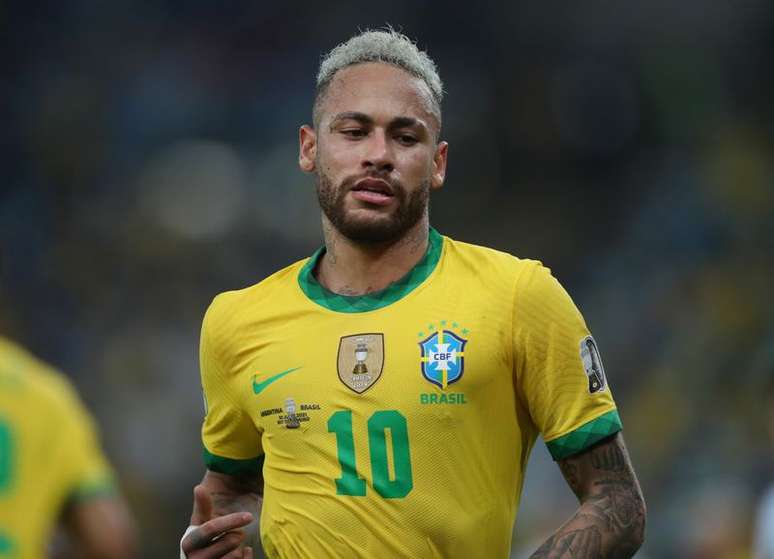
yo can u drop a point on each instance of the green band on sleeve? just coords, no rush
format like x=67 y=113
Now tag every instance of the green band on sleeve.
x=585 y=435
x=233 y=466
x=93 y=489
x=6 y=545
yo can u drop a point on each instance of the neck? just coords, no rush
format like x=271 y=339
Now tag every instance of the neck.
x=351 y=268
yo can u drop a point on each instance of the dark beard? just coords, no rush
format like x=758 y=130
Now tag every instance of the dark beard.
x=411 y=208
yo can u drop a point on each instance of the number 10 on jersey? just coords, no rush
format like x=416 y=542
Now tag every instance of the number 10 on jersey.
x=350 y=483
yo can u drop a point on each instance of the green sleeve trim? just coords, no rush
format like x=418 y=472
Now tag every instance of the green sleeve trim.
x=585 y=435
x=6 y=545
x=233 y=466
x=104 y=487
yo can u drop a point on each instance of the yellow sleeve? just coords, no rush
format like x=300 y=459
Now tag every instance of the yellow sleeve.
x=88 y=470
x=232 y=444
x=559 y=373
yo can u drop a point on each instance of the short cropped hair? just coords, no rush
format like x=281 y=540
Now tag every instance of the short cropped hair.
x=387 y=46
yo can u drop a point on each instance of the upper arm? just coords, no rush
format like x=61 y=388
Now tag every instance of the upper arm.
x=101 y=527
x=232 y=444
x=95 y=515
x=558 y=370
x=602 y=476
x=561 y=380
x=233 y=452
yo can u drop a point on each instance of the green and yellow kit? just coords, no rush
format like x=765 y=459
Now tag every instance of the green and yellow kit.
x=49 y=452
x=399 y=423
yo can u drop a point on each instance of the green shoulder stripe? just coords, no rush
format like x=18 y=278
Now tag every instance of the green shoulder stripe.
x=233 y=466
x=585 y=435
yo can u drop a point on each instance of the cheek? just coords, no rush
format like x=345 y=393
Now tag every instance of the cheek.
x=337 y=161
x=418 y=165
x=326 y=166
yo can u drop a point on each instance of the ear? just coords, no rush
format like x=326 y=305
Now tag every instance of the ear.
x=307 y=148
x=439 y=165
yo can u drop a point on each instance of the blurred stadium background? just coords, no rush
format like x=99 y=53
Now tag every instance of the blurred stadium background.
x=149 y=161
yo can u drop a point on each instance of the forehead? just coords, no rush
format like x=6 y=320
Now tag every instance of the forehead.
x=378 y=90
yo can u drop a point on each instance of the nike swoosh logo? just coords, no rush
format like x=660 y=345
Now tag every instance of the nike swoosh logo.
x=259 y=387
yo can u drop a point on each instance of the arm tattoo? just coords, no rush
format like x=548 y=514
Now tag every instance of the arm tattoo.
x=610 y=522
x=616 y=503
x=586 y=542
x=609 y=458
x=570 y=473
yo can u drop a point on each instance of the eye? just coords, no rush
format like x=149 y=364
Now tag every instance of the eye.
x=407 y=139
x=354 y=132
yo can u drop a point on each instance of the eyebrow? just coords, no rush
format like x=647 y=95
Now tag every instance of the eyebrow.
x=362 y=118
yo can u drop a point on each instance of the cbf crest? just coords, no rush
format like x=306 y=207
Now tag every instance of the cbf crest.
x=443 y=357
x=361 y=360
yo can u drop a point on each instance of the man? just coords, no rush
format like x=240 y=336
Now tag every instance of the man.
x=52 y=469
x=381 y=398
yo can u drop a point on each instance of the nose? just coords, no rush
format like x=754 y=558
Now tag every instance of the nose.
x=378 y=155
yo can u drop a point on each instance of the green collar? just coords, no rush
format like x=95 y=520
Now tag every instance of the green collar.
x=371 y=301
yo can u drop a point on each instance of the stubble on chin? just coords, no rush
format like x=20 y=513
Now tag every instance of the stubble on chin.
x=384 y=229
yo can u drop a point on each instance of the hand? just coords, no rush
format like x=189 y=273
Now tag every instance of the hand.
x=216 y=537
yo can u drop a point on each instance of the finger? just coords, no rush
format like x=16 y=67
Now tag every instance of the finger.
x=247 y=553
x=203 y=535
x=221 y=548
x=202 y=508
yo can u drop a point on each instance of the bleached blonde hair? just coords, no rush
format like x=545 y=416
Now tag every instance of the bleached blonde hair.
x=387 y=46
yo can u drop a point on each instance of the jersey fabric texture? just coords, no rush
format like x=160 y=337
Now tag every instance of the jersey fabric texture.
x=398 y=424
x=49 y=453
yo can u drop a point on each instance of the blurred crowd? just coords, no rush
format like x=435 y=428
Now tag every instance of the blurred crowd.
x=149 y=155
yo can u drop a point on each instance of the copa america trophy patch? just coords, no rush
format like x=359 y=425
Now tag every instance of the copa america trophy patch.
x=360 y=360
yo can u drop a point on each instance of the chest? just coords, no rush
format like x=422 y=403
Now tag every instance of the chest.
x=428 y=361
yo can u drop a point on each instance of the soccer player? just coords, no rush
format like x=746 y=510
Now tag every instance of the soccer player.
x=381 y=398
x=52 y=469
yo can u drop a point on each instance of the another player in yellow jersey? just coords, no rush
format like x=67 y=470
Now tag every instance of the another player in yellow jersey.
x=381 y=398
x=52 y=468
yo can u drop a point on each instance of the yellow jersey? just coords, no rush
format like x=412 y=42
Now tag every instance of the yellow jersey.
x=399 y=423
x=49 y=453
